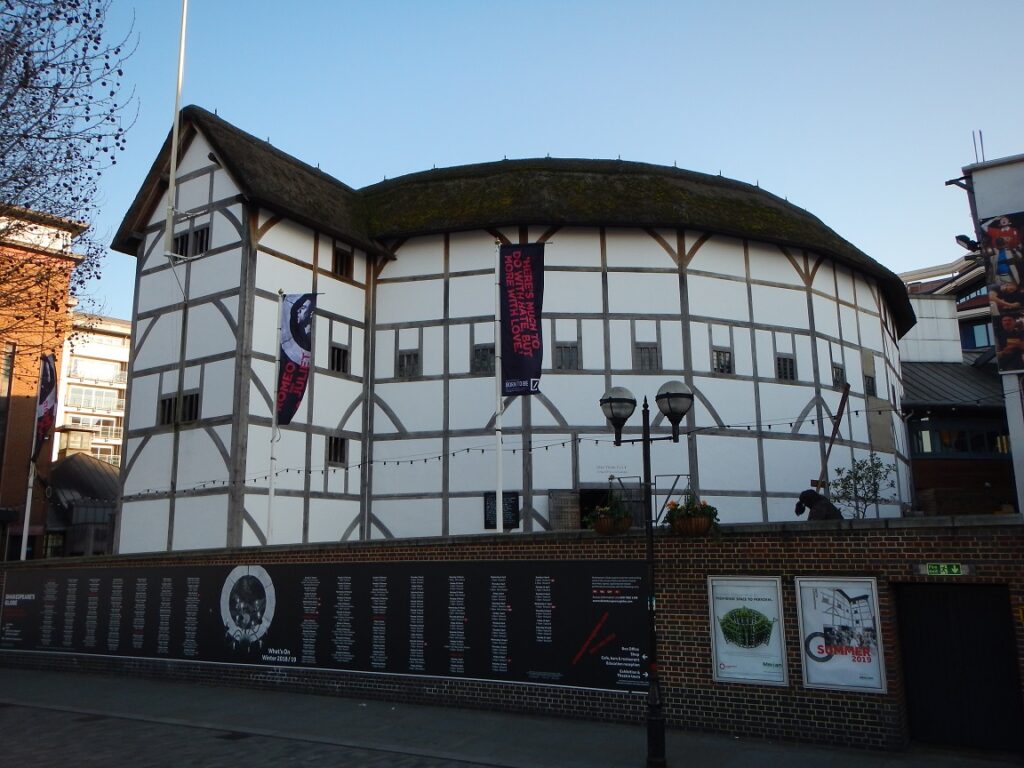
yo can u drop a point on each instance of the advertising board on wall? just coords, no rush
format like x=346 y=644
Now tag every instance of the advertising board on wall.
x=747 y=632
x=569 y=623
x=841 y=648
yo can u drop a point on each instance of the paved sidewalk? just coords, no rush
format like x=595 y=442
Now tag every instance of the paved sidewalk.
x=52 y=718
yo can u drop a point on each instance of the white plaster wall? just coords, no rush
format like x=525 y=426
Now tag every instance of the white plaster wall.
x=218 y=389
x=732 y=399
x=193 y=194
x=415 y=301
x=196 y=157
x=769 y=264
x=575 y=396
x=200 y=523
x=472 y=402
x=844 y=284
x=632 y=293
x=199 y=460
x=287 y=527
x=330 y=518
x=413 y=466
x=789 y=466
x=332 y=397
x=633 y=248
x=672 y=345
x=720 y=255
x=592 y=343
x=736 y=509
x=469 y=251
x=143 y=401
x=404 y=519
x=573 y=247
x=417 y=404
x=571 y=292
x=432 y=357
x=870 y=329
x=465 y=516
x=470 y=296
x=826 y=316
x=257 y=456
x=212 y=274
x=151 y=467
x=782 y=307
x=292 y=239
x=552 y=461
x=260 y=399
x=159 y=288
x=340 y=298
x=143 y=526
x=711 y=297
x=621 y=345
x=208 y=332
x=419 y=256
x=224 y=187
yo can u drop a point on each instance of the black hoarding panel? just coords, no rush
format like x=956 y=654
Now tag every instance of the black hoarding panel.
x=576 y=623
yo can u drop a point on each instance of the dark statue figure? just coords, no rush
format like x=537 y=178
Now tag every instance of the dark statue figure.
x=820 y=507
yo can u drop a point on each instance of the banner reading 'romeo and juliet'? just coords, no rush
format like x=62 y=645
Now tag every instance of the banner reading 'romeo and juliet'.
x=522 y=296
x=294 y=335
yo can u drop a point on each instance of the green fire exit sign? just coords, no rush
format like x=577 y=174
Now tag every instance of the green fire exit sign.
x=945 y=569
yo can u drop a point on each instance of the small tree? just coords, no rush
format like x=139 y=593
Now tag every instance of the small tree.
x=62 y=121
x=862 y=485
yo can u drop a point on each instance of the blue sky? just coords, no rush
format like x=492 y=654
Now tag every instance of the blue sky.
x=858 y=112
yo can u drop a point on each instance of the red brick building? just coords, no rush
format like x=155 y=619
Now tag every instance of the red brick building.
x=36 y=263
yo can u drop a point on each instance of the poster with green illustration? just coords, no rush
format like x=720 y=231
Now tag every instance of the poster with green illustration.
x=747 y=638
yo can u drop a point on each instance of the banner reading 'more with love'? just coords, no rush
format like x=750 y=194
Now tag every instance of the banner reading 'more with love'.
x=522 y=297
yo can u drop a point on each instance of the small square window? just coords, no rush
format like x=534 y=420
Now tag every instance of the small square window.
x=646 y=357
x=343 y=262
x=838 y=376
x=869 y=386
x=567 y=356
x=190 y=407
x=181 y=244
x=339 y=361
x=721 y=360
x=408 y=364
x=337 y=450
x=200 y=240
x=483 y=359
x=167 y=409
x=785 y=368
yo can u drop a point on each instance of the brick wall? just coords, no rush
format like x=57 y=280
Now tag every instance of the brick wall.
x=890 y=551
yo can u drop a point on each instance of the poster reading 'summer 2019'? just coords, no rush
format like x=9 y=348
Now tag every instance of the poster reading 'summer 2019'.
x=840 y=644
x=747 y=637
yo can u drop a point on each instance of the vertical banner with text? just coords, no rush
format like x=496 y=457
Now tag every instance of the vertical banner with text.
x=46 y=403
x=295 y=337
x=522 y=298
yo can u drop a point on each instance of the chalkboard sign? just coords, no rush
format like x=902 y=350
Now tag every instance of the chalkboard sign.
x=510 y=509
x=572 y=623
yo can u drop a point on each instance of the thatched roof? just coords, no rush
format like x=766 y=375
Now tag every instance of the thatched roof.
x=538 y=192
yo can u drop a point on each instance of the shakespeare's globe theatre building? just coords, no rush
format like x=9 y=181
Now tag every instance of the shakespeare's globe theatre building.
x=651 y=273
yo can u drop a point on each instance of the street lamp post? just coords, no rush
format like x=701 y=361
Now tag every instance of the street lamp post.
x=674 y=399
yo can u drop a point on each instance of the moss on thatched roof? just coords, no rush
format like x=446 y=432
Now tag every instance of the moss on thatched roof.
x=540 y=192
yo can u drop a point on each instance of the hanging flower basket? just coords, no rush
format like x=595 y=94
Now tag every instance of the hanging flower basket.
x=604 y=525
x=690 y=517
x=692 y=526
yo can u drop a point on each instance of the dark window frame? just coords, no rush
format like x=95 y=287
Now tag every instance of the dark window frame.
x=565 y=356
x=646 y=356
x=870 y=386
x=722 y=361
x=482 y=360
x=408 y=364
x=337 y=451
x=838 y=375
x=343 y=262
x=785 y=364
x=339 y=359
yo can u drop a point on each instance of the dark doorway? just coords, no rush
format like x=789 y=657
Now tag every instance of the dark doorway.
x=960 y=665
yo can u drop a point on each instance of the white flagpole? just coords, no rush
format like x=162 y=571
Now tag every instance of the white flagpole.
x=28 y=498
x=169 y=231
x=499 y=501
x=273 y=421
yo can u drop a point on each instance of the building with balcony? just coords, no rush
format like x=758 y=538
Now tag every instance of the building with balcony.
x=91 y=388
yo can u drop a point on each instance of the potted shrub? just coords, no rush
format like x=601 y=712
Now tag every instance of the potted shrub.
x=689 y=516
